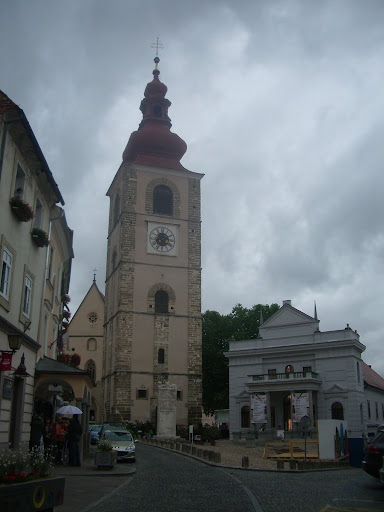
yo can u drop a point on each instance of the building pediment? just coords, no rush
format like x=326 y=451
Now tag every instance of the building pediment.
x=335 y=390
x=243 y=394
x=288 y=315
x=288 y=321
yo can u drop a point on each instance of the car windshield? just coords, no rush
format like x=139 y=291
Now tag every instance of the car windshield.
x=118 y=436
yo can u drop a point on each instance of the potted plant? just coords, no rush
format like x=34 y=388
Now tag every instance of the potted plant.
x=21 y=209
x=40 y=237
x=105 y=456
x=66 y=298
x=26 y=479
x=75 y=360
x=66 y=315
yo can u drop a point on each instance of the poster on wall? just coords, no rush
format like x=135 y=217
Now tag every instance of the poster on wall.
x=300 y=406
x=259 y=408
x=7 y=388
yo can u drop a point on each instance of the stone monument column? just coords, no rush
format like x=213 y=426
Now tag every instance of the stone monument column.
x=166 y=410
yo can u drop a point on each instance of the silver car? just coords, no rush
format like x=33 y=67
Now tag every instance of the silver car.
x=122 y=443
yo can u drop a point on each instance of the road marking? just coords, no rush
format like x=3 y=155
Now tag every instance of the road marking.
x=256 y=505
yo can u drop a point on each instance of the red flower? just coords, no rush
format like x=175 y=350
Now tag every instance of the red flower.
x=12 y=478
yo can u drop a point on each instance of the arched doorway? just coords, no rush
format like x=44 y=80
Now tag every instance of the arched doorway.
x=287 y=413
x=50 y=394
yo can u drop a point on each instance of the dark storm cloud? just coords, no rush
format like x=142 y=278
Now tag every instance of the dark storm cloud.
x=280 y=104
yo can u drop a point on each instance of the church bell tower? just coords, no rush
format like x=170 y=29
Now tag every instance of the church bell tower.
x=153 y=278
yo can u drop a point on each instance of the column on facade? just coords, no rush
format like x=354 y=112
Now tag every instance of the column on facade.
x=80 y=405
x=293 y=426
x=268 y=396
x=310 y=408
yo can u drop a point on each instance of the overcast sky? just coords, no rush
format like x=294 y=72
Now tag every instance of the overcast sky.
x=281 y=105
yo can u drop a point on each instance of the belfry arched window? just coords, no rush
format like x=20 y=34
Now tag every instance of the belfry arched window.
x=160 y=356
x=337 y=411
x=163 y=200
x=161 y=301
x=245 y=417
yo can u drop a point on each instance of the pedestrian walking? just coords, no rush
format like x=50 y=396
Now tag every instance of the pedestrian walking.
x=48 y=438
x=74 y=435
x=60 y=435
x=37 y=431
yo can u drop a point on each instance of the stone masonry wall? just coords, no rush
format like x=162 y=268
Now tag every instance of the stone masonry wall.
x=194 y=305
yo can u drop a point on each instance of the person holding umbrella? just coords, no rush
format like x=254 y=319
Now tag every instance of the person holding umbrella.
x=74 y=435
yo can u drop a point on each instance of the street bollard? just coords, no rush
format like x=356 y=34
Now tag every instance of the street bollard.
x=217 y=457
x=245 y=462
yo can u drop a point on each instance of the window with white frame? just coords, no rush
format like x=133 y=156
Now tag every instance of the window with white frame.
x=27 y=296
x=5 y=282
x=19 y=182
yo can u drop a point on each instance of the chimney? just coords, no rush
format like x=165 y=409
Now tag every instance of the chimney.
x=287 y=302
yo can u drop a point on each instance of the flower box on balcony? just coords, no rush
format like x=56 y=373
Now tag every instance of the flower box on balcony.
x=21 y=209
x=40 y=237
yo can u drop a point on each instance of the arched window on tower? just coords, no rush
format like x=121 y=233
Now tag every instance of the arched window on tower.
x=158 y=111
x=91 y=343
x=161 y=302
x=91 y=369
x=163 y=200
x=160 y=356
x=116 y=210
x=337 y=411
x=114 y=258
x=245 y=417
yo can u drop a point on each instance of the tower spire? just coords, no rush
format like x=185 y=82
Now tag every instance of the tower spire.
x=153 y=143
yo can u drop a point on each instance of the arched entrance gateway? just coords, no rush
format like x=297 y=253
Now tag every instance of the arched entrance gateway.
x=56 y=384
x=50 y=394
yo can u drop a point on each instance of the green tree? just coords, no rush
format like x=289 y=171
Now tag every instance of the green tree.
x=242 y=323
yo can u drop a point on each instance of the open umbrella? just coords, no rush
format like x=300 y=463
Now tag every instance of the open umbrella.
x=69 y=409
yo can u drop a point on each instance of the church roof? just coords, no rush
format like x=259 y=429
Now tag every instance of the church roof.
x=371 y=378
x=153 y=143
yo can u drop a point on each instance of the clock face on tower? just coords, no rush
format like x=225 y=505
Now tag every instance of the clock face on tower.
x=162 y=239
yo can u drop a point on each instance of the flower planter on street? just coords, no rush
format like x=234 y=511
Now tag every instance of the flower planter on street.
x=41 y=495
x=105 y=459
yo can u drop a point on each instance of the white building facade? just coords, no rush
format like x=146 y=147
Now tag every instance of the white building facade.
x=28 y=272
x=293 y=369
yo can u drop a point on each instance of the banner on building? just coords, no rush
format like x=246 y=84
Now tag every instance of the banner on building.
x=300 y=406
x=6 y=361
x=259 y=408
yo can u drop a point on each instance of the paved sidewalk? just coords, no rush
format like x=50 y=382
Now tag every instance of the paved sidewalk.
x=86 y=485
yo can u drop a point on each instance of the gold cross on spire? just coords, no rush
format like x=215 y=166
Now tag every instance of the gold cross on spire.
x=159 y=46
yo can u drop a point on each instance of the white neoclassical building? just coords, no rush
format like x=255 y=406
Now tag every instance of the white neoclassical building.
x=293 y=369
